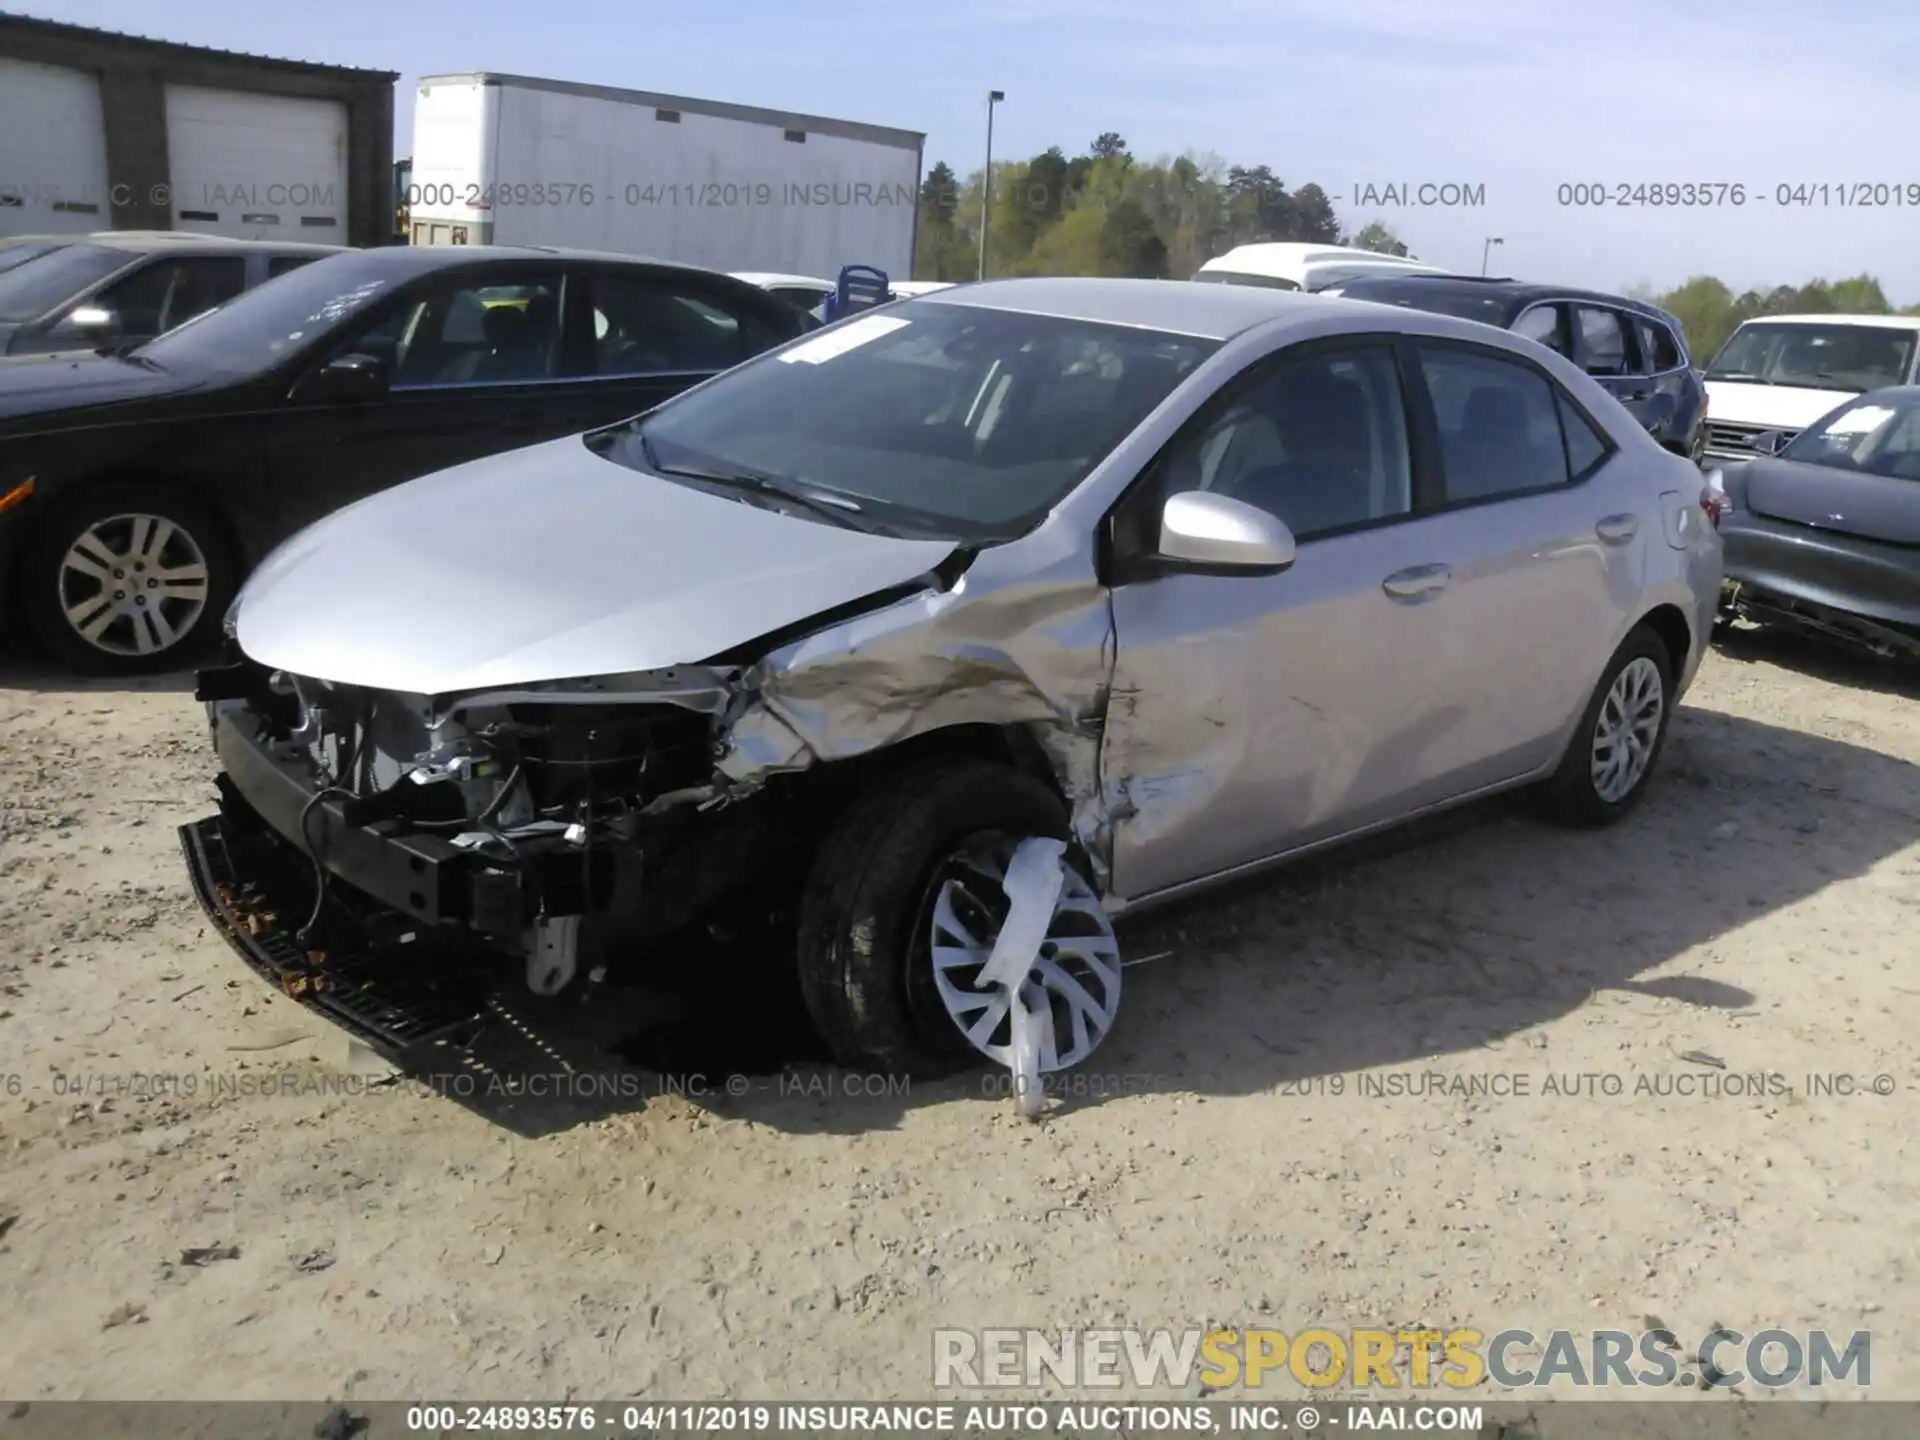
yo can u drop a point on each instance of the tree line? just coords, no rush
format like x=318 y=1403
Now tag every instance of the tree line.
x=1109 y=212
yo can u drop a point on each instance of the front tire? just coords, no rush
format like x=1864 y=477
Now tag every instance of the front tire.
x=867 y=971
x=128 y=579
x=1617 y=743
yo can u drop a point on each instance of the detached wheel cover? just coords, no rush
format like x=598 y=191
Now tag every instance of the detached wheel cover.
x=1073 y=987
x=133 y=584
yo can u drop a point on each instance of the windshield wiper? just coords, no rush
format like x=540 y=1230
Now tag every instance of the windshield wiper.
x=839 y=510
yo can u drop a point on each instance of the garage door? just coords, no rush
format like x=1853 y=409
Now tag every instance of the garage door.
x=53 y=151
x=257 y=166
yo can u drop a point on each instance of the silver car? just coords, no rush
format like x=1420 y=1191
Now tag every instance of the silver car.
x=949 y=633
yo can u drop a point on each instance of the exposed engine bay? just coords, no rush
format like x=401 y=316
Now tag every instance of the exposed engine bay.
x=586 y=823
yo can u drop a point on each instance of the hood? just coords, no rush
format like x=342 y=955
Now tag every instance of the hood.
x=1873 y=507
x=32 y=386
x=1781 y=407
x=548 y=563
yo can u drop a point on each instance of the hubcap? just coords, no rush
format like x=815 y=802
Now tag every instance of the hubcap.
x=1629 y=724
x=133 y=585
x=1073 y=987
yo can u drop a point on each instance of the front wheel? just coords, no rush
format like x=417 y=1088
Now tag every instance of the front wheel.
x=901 y=912
x=128 y=579
x=1618 y=740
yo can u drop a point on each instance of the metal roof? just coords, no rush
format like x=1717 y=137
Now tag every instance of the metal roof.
x=56 y=29
x=886 y=135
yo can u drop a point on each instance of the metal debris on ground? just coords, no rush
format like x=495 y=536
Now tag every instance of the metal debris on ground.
x=208 y=1254
x=313 y=1262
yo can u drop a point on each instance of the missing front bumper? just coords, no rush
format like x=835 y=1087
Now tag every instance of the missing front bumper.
x=398 y=993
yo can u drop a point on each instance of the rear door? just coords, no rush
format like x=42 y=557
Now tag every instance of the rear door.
x=1678 y=397
x=1606 y=348
x=1542 y=533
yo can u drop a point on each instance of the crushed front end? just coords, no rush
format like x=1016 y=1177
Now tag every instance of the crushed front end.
x=390 y=858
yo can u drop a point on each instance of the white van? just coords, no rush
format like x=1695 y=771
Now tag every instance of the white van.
x=1780 y=373
x=1289 y=265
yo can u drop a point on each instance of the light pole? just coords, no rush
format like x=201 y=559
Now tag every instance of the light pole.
x=994 y=97
x=1486 y=250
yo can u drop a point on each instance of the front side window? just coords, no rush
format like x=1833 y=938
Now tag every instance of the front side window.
x=470 y=332
x=938 y=418
x=1876 y=436
x=1501 y=426
x=1320 y=440
x=1815 y=357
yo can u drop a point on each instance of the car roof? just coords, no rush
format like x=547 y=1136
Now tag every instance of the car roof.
x=1518 y=292
x=154 y=241
x=1178 y=307
x=422 y=259
x=1885 y=322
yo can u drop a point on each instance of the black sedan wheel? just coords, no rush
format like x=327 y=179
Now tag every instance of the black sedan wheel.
x=129 y=580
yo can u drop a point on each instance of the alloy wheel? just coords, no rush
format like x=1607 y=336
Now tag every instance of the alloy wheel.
x=1627 y=728
x=133 y=585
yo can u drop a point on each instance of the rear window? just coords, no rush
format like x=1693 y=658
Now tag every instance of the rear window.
x=48 y=281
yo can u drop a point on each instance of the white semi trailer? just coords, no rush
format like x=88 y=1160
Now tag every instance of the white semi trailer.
x=508 y=160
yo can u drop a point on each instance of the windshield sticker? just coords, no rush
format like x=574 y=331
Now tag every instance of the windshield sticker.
x=850 y=336
x=1860 y=422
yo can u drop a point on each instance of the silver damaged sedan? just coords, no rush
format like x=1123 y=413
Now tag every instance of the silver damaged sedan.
x=937 y=640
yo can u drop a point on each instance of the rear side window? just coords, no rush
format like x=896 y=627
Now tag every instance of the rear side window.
x=1657 y=347
x=1603 y=341
x=1500 y=426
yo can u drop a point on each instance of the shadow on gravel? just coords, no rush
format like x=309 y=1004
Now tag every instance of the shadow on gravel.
x=1821 y=659
x=31 y=673
x=1446 y=937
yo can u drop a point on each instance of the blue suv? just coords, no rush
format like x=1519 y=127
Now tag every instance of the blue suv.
x=1637 y=351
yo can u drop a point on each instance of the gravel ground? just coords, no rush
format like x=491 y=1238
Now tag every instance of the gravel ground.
x=1273 y=1148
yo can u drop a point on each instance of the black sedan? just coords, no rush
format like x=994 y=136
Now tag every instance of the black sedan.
x=1824 y=535
x=136 y=489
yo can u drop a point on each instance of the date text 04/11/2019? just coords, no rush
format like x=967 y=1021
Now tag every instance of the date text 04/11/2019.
x=1696 y=194
x=713 y=194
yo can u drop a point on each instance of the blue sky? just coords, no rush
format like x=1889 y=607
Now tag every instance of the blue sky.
x=1518 y=96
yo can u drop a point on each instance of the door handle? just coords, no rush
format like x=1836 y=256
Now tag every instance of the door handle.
x=1618 y=529
x=1418 y=582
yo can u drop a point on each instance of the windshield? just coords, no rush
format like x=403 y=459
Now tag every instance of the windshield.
x=1875 y=435
x=18 y=252
x=257 y=330
x=1815 y=357
x=48 y=280
x=935 y=418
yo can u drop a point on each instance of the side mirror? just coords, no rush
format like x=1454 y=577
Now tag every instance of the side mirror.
x=346 y=378
x=1769 y=442
x=1204 y=531
x=97 y=324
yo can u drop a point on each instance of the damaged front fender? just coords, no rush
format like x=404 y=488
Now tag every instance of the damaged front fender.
x=1003 y=646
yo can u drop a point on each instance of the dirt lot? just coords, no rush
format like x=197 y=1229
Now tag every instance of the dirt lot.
x=795 y=1241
